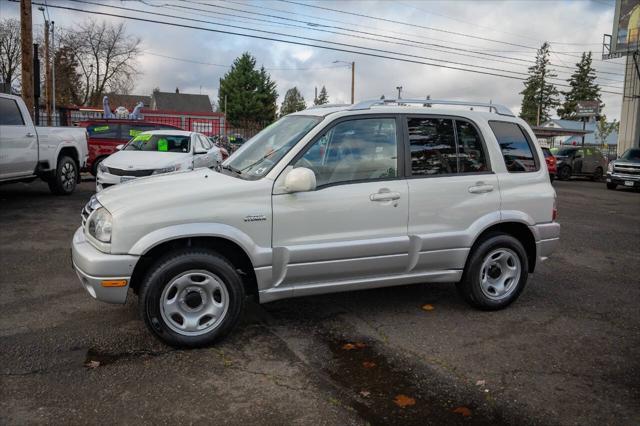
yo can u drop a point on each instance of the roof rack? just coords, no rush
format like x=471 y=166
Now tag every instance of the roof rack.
x=328 y=106
x=498 y=109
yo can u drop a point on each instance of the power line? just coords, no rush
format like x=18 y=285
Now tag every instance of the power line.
x=95 y=12
x=312 y=26
x=361 y=15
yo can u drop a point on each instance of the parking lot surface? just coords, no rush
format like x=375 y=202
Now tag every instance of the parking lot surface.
x=567 y=352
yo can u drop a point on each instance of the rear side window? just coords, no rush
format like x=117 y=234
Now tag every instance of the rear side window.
x=10 y=113
x=104 y=131
x=433 y=146
x=470 y=150
x=516 y=147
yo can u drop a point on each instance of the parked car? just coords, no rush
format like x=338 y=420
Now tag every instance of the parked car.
x=580 y=161
x=106 y=134
x=327 y=200
x=157 y=152
x=27 y=152
x=625 y=170
x=550 y=159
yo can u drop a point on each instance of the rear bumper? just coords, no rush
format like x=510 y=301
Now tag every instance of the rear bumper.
x=547 y=237
x=93 y=267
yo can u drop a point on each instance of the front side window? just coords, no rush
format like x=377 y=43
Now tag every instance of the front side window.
x=256 y=157
x=515 y=146
x=10 y=113
x=433 y=146
x=354 y=150
x=159 y=143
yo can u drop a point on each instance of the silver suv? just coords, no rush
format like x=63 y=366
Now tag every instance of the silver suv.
x=381 y=193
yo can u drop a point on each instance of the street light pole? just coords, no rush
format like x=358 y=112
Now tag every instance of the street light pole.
x=399 y=89
x=353 y=78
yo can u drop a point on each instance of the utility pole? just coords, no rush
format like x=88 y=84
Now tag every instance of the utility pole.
x=353 y=81
x=27 y=54
x=47 y=65
x=399 y=89
x=541 y=94
x=315 y=98
x=53 y=68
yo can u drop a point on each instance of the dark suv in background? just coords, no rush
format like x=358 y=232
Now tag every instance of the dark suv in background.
x=106 y=134
x=580 y=161
x=625 y=171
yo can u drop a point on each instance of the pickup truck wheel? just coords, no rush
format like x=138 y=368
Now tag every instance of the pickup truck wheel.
x=611 y=185
x=65 y=177
x=496 y=273
x=191 y=298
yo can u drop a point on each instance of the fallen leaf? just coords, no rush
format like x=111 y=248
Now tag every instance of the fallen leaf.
x=368 y=364
x=404 y=401
x=427 y=307
x=92 y=364
x=352 y=346
x=480 y=383
x=463 y=411
x=365 y=393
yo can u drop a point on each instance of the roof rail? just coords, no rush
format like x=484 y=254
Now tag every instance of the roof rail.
x=498 y=109
x=328 y=106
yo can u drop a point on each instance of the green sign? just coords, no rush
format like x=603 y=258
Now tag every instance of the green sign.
x=163 y=145
x=101 y=129
x=142 y=137
x=134 y=132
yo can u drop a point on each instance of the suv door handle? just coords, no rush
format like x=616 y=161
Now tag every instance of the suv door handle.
x=30 y=135
x=480 y=188
x=385 y=196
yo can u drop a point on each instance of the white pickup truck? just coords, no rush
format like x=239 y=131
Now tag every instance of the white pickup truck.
x=54 y=154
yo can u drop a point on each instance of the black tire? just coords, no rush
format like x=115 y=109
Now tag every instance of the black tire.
x=470 y=286
x=552 y=177
x=597 y=175
x=611 y=186
x=172 y=266
x=65 y=178
x=94 y=166
x=564 y=173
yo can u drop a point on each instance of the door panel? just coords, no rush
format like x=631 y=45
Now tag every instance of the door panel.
x=18 y=141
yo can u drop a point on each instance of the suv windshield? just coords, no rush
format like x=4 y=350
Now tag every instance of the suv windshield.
x=257 y=156
x=160 y=143
x=632 y=154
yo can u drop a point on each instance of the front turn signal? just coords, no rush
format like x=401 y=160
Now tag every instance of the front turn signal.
x=114 y=283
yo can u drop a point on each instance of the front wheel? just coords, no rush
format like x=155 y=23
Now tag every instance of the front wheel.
x=611 y=186
x=191 y=298
x=597 y=175
x=564 y=173
x=65 y=177
x=496 y=273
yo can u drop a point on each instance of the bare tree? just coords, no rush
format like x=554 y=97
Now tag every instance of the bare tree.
x=106 y=57
x=10 y=50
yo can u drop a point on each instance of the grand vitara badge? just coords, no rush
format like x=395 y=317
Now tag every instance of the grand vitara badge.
x=255 y=218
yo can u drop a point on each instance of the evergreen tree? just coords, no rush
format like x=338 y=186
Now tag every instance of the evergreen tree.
x=583 y=87
x=323 y=97
x=250 y=93
x=539 y=94
x=293 y=101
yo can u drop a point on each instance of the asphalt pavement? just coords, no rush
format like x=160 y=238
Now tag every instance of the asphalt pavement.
x=567 y=352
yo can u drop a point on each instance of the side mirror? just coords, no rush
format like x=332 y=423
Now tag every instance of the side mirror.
x=300 y=179
x=119 y=147
x=199 y=152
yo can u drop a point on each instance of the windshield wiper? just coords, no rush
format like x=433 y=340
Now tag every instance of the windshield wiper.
x=234 y=170
x=263 y=158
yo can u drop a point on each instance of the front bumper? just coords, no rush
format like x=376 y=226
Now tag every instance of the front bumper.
x=547 y=237
x=105 y=180
x=622 y=179
x=93 y=267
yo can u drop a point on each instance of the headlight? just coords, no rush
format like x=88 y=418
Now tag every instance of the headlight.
x=610 y=167
x=99 y=225
x=102 y=168
x=167 y=170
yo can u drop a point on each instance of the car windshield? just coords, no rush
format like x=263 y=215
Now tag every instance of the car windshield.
x=632 y=154
x=257 y=156
x=564 y=152
x=159 y=143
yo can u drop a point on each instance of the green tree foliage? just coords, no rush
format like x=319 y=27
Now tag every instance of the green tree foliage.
x=250 y=93
x=604 y=129
x=323 y=97
x=538 y=93
x=293 y=101
x=583 y=87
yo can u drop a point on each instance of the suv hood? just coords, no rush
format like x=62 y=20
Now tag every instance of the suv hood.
x=145 y=160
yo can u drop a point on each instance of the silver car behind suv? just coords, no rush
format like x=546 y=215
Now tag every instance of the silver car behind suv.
x=381 y=193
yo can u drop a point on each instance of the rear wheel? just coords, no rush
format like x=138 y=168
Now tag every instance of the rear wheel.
x=191 y=298
x=564 y=173
x=496 y=272
x=611 y=186
x=65 y=177
x=597 y=175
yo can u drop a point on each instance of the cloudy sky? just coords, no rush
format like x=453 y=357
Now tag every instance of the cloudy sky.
x=497 y=37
